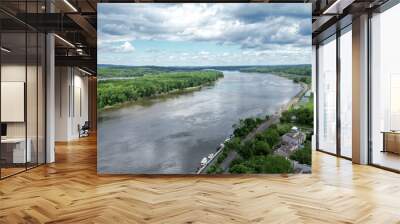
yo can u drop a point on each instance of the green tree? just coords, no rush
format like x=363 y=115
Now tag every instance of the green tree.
x=247 y=150
x=283 y=129
x=270 y=164
x=262 y=148
x=239 y=169
x=303 y=155
x=271 y=136
x=233 y=144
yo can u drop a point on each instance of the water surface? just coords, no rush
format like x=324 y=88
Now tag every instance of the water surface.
x=170 y=135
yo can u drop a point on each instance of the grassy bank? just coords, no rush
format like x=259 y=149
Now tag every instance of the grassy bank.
x=114 y=92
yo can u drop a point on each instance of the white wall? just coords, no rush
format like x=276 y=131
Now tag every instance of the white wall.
x=33 y=126
x=62 y=82
x=70 y=83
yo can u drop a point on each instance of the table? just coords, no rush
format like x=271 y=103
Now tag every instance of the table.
x=391 y=141
x=19 y=155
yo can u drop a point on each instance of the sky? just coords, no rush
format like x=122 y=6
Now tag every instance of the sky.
x=194 y=34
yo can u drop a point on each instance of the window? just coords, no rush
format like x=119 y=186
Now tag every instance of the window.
x=22 y=87
x=385 y=89
x=327 y=96
x=346 y=93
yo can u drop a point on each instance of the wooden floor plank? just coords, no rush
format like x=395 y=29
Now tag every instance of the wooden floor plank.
x=70 y=191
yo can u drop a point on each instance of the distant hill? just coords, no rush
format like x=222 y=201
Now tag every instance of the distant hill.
x=108 y=70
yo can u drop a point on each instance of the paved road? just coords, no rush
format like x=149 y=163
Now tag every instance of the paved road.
x=232 y=155
x=274 y=119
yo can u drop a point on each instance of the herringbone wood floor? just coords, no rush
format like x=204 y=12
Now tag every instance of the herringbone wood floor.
x=70 y=191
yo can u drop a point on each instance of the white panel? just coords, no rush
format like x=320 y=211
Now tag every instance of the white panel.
x=12 y=101
x=346 y=94
x=327 y=96
x=395 y=102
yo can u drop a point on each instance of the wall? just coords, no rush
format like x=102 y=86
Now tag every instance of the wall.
x=71 y=102
x=12 y=73
x=15 y=72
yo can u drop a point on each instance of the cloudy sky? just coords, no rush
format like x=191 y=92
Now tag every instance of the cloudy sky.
x=204 y=34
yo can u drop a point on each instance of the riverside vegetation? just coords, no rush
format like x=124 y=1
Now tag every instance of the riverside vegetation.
x=257 y=154
x=113 y=92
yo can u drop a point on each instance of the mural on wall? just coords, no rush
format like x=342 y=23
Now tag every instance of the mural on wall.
x=204 y=88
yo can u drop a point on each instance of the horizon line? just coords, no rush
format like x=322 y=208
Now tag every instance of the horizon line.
x=198 y=65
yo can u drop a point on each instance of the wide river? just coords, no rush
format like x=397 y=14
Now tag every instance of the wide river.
x=170 y=135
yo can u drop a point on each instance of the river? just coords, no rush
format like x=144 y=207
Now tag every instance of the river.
x=171 y=134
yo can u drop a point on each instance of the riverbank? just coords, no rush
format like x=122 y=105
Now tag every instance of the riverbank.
x=144 y=100
x=112 y=93
x=216 y=165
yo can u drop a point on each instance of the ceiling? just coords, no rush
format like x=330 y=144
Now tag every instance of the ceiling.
x=330 y=15
x=75 y=22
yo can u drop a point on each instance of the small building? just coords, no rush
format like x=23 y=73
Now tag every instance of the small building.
x=294 y=137
x=286 y=150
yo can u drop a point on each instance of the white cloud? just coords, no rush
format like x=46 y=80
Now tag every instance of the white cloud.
x=126 y=48
x=256 y=33
x=249 y=25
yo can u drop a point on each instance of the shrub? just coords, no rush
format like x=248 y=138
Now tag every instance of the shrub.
x=233 y=144
x=272 y=137
x=236 y=162
x=239 y=168
x=271 y=164
x=283 y=129
x=262 y=148
x=246 y=151
x=303 y=155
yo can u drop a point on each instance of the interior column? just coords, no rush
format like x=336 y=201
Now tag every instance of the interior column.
x=360 y=90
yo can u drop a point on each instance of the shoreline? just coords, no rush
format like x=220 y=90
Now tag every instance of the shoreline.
x=185 y=90
x=160 y=95
x=262 y=127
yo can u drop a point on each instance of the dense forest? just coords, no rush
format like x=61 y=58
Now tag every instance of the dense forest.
x=112 y=92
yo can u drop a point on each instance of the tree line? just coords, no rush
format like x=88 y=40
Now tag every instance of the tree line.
x=299 y=70
x=297 y=73
x=112 y=92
